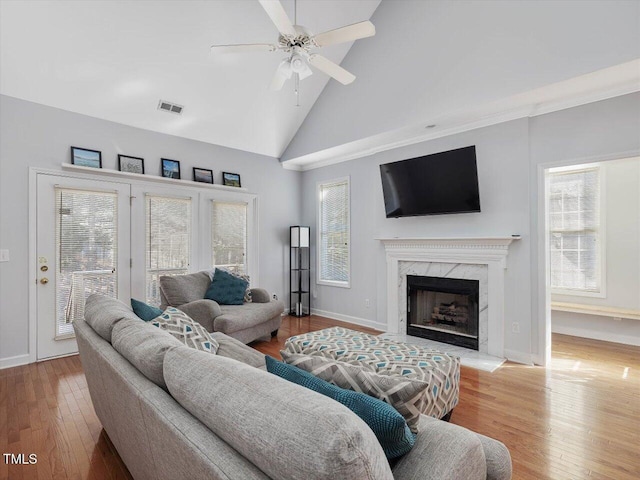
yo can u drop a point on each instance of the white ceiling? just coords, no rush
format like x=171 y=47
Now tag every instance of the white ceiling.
x=116 y=59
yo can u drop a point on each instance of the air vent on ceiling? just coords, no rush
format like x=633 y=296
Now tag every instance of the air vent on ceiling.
x=170 y=107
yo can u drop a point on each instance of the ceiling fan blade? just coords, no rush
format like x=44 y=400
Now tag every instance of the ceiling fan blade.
x=332 y=69
x=278 y=16
x=243 y=48
x=345 y=34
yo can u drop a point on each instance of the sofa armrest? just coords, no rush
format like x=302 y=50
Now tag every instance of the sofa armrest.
x=202 y=311
x=498 y=458
x=260 y=295
x=443 y=451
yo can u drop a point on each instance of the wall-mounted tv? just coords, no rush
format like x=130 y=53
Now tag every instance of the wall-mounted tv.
x=445 y=182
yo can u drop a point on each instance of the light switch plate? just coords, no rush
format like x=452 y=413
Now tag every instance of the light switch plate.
x=4 y=255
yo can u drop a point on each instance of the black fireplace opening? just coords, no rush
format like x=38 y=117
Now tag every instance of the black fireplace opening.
x=443 y=309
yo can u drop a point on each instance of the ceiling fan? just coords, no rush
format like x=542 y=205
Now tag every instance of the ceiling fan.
x=297 y=42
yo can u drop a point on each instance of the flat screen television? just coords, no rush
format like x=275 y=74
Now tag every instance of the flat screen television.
x=441 y=183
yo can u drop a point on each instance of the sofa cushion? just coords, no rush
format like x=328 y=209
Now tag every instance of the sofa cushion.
x=144 y=346
x=181 y=289
x=287 y=431
x=102 y=313
x=240 y=317
x=226 y=289
x=406 y=395
x=231 y=348
x=387 y=424
x=144 y=311
x=184 y=328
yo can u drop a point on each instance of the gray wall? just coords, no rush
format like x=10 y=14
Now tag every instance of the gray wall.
x=598 y=131
x=508 y=158
x=432 y=58
x=33 y=135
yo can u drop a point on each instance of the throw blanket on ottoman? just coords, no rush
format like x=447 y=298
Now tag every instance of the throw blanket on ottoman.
x=387 y=357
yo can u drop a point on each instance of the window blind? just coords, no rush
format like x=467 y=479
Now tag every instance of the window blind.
x=229 y=235
x=334 y=232
x=574 y=229
x=168 y=240
x=87 y=251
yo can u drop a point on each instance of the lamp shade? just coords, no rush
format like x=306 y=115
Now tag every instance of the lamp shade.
x=300 y=236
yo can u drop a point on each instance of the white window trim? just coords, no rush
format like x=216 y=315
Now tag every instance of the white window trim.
x=602 y=230
x=319 y=281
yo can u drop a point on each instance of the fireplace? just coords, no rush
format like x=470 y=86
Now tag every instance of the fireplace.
x=443 y=309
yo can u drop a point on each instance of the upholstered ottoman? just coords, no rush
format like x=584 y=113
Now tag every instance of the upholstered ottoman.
x=387 y=357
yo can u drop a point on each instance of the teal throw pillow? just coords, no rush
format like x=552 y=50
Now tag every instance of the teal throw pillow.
x=389 y=426
x=226 y=289
x=144 y=311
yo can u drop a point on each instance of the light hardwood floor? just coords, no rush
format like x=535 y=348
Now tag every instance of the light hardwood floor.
x=579 y=418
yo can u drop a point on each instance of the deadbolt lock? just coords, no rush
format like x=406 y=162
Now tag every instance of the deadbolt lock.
x=44 y=268
x=44 y=280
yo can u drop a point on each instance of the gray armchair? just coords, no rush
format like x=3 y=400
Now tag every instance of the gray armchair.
x=248 y=322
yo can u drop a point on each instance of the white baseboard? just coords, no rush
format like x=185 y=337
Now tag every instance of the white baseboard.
x=14 y=361
x=537 y=359
x=518 y=357
x=347 y=318
x=596 y=335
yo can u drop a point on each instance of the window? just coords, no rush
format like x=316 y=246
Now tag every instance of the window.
x=334 y=233
x=229 y=235
x=168 y=242
x=574 y=231
x=86 y=240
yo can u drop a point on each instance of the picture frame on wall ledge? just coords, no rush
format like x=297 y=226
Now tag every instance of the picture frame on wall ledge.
x=231 y=179
x=202 y=175
x=85 y=157
x=130 y=164
x=170 y=168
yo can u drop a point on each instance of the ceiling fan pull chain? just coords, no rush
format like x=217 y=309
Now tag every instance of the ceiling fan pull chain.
x=297 y=83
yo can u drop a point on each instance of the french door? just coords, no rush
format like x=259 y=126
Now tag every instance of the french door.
x=83 y=242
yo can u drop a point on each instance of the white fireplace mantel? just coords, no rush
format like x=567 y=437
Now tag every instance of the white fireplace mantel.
x=489 y=251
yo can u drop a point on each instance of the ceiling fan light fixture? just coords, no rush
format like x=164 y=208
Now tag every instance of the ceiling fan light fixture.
x=285 y=68
x=299 y=66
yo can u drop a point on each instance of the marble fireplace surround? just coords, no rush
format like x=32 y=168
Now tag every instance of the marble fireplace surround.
x=483 y=259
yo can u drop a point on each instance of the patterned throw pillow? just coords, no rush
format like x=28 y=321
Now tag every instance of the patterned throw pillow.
x=406 y=395
x=226 y=289
x=144 y=311
x=247 y=293
x=185 y=329
x=387 y=424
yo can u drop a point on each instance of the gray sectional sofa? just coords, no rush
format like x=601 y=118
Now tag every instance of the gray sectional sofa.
x=173 y=412
x=248 y=322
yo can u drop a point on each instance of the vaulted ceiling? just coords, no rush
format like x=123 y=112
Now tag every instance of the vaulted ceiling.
x=453 y=64
x=116 y=59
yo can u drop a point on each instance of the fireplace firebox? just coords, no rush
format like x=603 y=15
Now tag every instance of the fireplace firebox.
x=443 y=309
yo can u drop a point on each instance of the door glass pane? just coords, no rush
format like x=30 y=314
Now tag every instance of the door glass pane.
x=86 y=240
x=229 y=236
x=168 y=249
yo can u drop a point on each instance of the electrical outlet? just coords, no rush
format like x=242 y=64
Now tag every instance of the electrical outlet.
x=367 y=303
x=515 y=327
x=275 y=296
x=4 y=255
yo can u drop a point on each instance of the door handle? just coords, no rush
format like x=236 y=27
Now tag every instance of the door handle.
x=44 y=280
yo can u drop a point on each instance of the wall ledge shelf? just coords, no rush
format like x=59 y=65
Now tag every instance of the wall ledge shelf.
x=596 y=310
x=149 y=178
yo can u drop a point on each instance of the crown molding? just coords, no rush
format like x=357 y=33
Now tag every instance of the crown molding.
x=593 y=87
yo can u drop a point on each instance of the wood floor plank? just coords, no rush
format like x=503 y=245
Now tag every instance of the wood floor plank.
x=579 y=418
